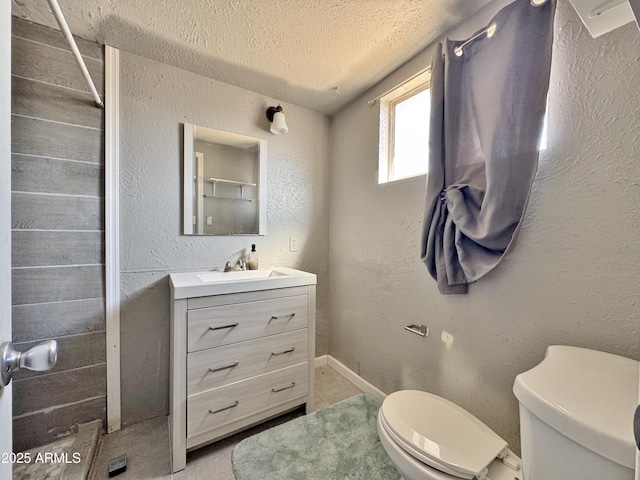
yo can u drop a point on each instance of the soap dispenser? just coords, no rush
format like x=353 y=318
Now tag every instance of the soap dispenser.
x=252 y=262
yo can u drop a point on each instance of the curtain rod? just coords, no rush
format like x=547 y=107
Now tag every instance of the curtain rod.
x=489 y=30
x=55 y=9
x=424 y=70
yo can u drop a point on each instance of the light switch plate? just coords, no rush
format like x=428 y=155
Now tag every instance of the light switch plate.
x=293 y=244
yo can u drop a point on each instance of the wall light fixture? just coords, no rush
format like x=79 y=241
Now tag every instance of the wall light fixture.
x=276 y=117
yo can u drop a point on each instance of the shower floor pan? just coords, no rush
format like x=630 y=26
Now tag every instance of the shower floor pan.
x=69 y=458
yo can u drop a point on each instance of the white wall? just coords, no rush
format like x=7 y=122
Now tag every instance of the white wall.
x=5 y=221
x=572 y=278
x=156 y=99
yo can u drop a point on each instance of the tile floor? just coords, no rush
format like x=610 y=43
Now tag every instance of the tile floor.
x=37 y=470
x=146 y=444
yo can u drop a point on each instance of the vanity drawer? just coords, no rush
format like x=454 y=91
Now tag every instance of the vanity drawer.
x=215 y=367
x=218 y=407
x=215 y=326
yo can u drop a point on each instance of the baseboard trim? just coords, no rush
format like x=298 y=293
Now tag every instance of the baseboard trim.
x=350 y=375
x=321 y=361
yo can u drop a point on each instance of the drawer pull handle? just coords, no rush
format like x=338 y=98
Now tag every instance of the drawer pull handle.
x=231 y=325
x=292 y=349
x=276 y=390
x=231 y=365
x=235 y=404
x=288 y=317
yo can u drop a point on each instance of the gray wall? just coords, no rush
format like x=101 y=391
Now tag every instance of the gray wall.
x=57 y=220
x=572 y=277
x=155 y=101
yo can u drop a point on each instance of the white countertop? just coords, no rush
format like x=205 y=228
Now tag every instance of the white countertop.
x=216 y=282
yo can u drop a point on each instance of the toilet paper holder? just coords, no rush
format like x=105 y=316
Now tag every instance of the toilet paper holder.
x=421 y=330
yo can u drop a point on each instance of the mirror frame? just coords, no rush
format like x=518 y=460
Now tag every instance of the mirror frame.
x=229 y=139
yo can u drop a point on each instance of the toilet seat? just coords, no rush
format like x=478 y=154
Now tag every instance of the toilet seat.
x=440 y=434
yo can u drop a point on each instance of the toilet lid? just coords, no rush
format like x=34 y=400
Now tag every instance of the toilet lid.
x=440 y=433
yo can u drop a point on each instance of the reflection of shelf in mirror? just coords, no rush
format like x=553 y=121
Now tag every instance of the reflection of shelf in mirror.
x=232 y=182
x=206 y=195
x=215 y=182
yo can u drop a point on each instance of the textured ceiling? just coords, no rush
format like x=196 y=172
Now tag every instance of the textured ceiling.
x=318 y=54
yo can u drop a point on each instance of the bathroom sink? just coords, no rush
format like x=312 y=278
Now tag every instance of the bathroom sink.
x=218 y=276
x=217 y=282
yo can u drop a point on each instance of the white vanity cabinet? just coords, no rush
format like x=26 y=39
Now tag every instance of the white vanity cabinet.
x=242 y=351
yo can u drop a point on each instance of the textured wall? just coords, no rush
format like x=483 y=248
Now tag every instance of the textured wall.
x=156 y=99
x=572 y=278
x=57 y=177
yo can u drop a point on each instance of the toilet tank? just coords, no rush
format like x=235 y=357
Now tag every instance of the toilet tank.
x=576 y=416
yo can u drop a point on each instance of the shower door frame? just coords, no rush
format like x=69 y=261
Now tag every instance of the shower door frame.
x=112 y=234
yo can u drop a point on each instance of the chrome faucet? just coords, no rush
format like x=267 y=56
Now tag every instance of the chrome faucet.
x=240 y=265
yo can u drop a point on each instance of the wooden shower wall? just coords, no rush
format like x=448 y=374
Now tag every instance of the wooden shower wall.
x=57 y=233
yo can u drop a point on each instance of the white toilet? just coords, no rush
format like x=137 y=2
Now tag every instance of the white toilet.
x=428 y=437
x=576 y=414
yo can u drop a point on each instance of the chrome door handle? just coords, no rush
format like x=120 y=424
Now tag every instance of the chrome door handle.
x=40 y=358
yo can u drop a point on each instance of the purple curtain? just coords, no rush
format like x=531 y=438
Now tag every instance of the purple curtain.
x=487 y=114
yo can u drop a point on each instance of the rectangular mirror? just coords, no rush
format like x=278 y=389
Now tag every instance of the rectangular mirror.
x=224 y=183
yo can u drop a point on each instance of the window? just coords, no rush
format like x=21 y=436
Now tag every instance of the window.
x=542 y=144
x=404 y=130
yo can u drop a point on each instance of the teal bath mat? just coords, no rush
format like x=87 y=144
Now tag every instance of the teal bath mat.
x=339 y=442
